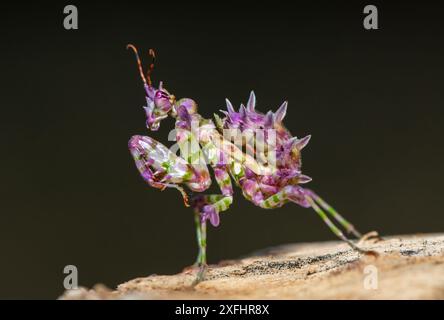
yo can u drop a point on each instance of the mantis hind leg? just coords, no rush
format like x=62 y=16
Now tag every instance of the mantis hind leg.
x=349 y=228
x=334 y=228
x=308 y=198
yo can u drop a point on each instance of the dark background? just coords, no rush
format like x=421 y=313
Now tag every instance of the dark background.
x=70 y=192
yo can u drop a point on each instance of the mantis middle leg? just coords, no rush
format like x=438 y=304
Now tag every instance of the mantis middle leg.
x=208 y=207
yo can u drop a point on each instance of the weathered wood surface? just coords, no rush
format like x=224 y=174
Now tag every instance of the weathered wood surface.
x=407 y=267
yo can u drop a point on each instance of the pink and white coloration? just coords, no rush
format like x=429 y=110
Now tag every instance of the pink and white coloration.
x=266 y=185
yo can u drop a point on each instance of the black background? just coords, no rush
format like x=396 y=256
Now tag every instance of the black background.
x=70 y=193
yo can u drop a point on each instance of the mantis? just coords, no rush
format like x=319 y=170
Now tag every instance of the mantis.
x=203 y=144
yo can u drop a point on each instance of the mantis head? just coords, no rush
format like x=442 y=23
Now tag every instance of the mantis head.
x=159 y=101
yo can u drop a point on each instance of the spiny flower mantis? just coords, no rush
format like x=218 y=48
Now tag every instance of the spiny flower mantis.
x=267 y=184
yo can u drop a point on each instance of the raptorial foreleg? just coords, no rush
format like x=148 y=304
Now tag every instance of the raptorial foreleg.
x=158 y=166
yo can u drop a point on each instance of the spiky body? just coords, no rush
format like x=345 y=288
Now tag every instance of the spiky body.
x=259 y=187
x=203 y=143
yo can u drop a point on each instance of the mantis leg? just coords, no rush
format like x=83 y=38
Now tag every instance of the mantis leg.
x=335 y=229
x=280 y=198
x=208 y=207
x=219 y=202
x=198 y=226
x=201 y=235
x=202 y=252
x=330 y=210
x=304 y=198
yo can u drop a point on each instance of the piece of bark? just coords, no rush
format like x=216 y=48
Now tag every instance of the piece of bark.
x=407 y=267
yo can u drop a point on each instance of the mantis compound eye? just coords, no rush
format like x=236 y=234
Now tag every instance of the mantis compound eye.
x=162 y=101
